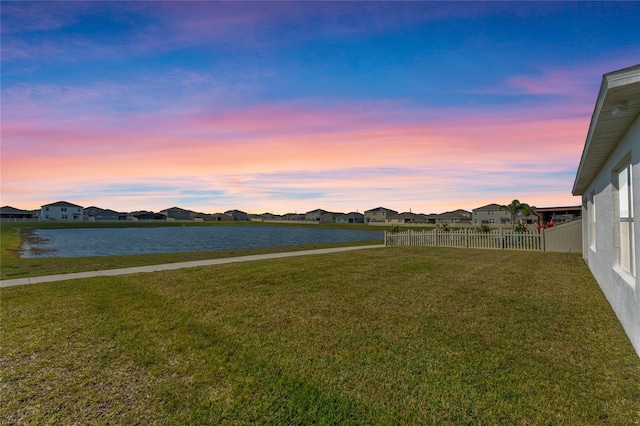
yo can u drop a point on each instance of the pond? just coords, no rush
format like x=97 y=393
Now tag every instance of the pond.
x=125 y=241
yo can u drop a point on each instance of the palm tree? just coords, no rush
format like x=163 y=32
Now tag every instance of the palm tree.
x=516 y=208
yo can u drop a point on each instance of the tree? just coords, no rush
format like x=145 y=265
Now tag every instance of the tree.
x=516 y=208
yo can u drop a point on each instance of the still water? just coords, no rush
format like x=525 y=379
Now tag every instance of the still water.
x=123 y=241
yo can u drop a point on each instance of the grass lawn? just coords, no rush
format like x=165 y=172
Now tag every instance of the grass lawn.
x=407 y=335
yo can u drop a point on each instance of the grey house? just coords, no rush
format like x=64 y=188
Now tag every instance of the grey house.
x=61 y=210
x=406 y=217
x=379 y=214
x=97 y=214
x=608 y=179
x=490 y=214
x=237 y=215
x=456 y=216
x=177 y=213
x=315 y=215
x=353 y=217
x=8 y=212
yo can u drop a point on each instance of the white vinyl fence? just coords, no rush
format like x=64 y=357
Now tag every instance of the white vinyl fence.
x=499 y=239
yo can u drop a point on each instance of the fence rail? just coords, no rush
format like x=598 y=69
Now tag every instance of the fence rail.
x=499 y=239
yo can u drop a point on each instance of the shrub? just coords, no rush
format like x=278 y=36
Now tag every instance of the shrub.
x=394 y=229
x=483 y=228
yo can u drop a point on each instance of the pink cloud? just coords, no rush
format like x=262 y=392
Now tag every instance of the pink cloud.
x=452 y=156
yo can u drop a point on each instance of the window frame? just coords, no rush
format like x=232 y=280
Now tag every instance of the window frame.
x=625 y=219
x=592 y=218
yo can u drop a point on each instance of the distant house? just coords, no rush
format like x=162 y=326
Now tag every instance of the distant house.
x=406 y=217
x=177 y=213
x=97 y=214
x=217 y=217
x=379 y=214
x=608 y=179
x=558 y=214
x=462 y=213
x=329 y=217
x=237 y=215
x=353 y=217
x=61 y=210
x=315 y=215
x=456 y=216
x=145 y=215
x=490 y=214
x=8 y=212
x=293 y=216
x=265 y=216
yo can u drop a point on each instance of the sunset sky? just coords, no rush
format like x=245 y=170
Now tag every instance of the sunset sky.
x=292 y=106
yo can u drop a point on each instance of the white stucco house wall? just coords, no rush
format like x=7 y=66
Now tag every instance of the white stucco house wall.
x=608 y=179
x=61 y=210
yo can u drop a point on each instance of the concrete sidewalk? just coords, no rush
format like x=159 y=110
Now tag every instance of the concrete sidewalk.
x=170 y=266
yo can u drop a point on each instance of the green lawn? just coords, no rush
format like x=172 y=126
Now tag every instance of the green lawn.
x=384 y=336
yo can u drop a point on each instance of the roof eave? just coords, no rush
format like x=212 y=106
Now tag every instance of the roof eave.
x=590 y=163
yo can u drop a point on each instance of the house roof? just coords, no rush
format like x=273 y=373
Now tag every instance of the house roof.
x=381 y=209
x=454 y=215
x=61 y=204
x=492 y=206
x=175 y=209
x=556 y=209
x=12 y=210
x=617 y=106
x=407 y=215
x=93 y=210
x=350 y=215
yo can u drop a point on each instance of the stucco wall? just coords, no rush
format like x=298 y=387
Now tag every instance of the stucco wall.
x=498 y=217
x=622 y=290
x=61 y=213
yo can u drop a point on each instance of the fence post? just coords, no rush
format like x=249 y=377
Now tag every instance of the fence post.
x=502 y=238
x=466 y=238
x=542 y=240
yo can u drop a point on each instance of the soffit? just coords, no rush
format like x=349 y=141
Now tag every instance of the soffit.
x=617 y=107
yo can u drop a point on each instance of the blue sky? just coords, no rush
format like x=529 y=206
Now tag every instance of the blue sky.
x=292 y=106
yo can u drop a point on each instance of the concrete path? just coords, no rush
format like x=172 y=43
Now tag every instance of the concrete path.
x=179 y=265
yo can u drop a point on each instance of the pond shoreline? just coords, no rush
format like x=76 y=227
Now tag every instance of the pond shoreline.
x=90 y=242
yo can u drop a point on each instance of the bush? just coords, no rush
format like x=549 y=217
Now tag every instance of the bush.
x=483 y=228
x=394 y=229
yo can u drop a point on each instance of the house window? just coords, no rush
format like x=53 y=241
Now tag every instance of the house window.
x=626 y=220
x=591 y=212
x=63 y=209
x=64 y=216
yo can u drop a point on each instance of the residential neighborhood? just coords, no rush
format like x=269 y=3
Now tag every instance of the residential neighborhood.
x=492 y=215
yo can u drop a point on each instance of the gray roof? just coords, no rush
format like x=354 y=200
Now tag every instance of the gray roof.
x=13 y=210
x=62 y=204
x=493 y=206
x=617 y=106
x=381 y=209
